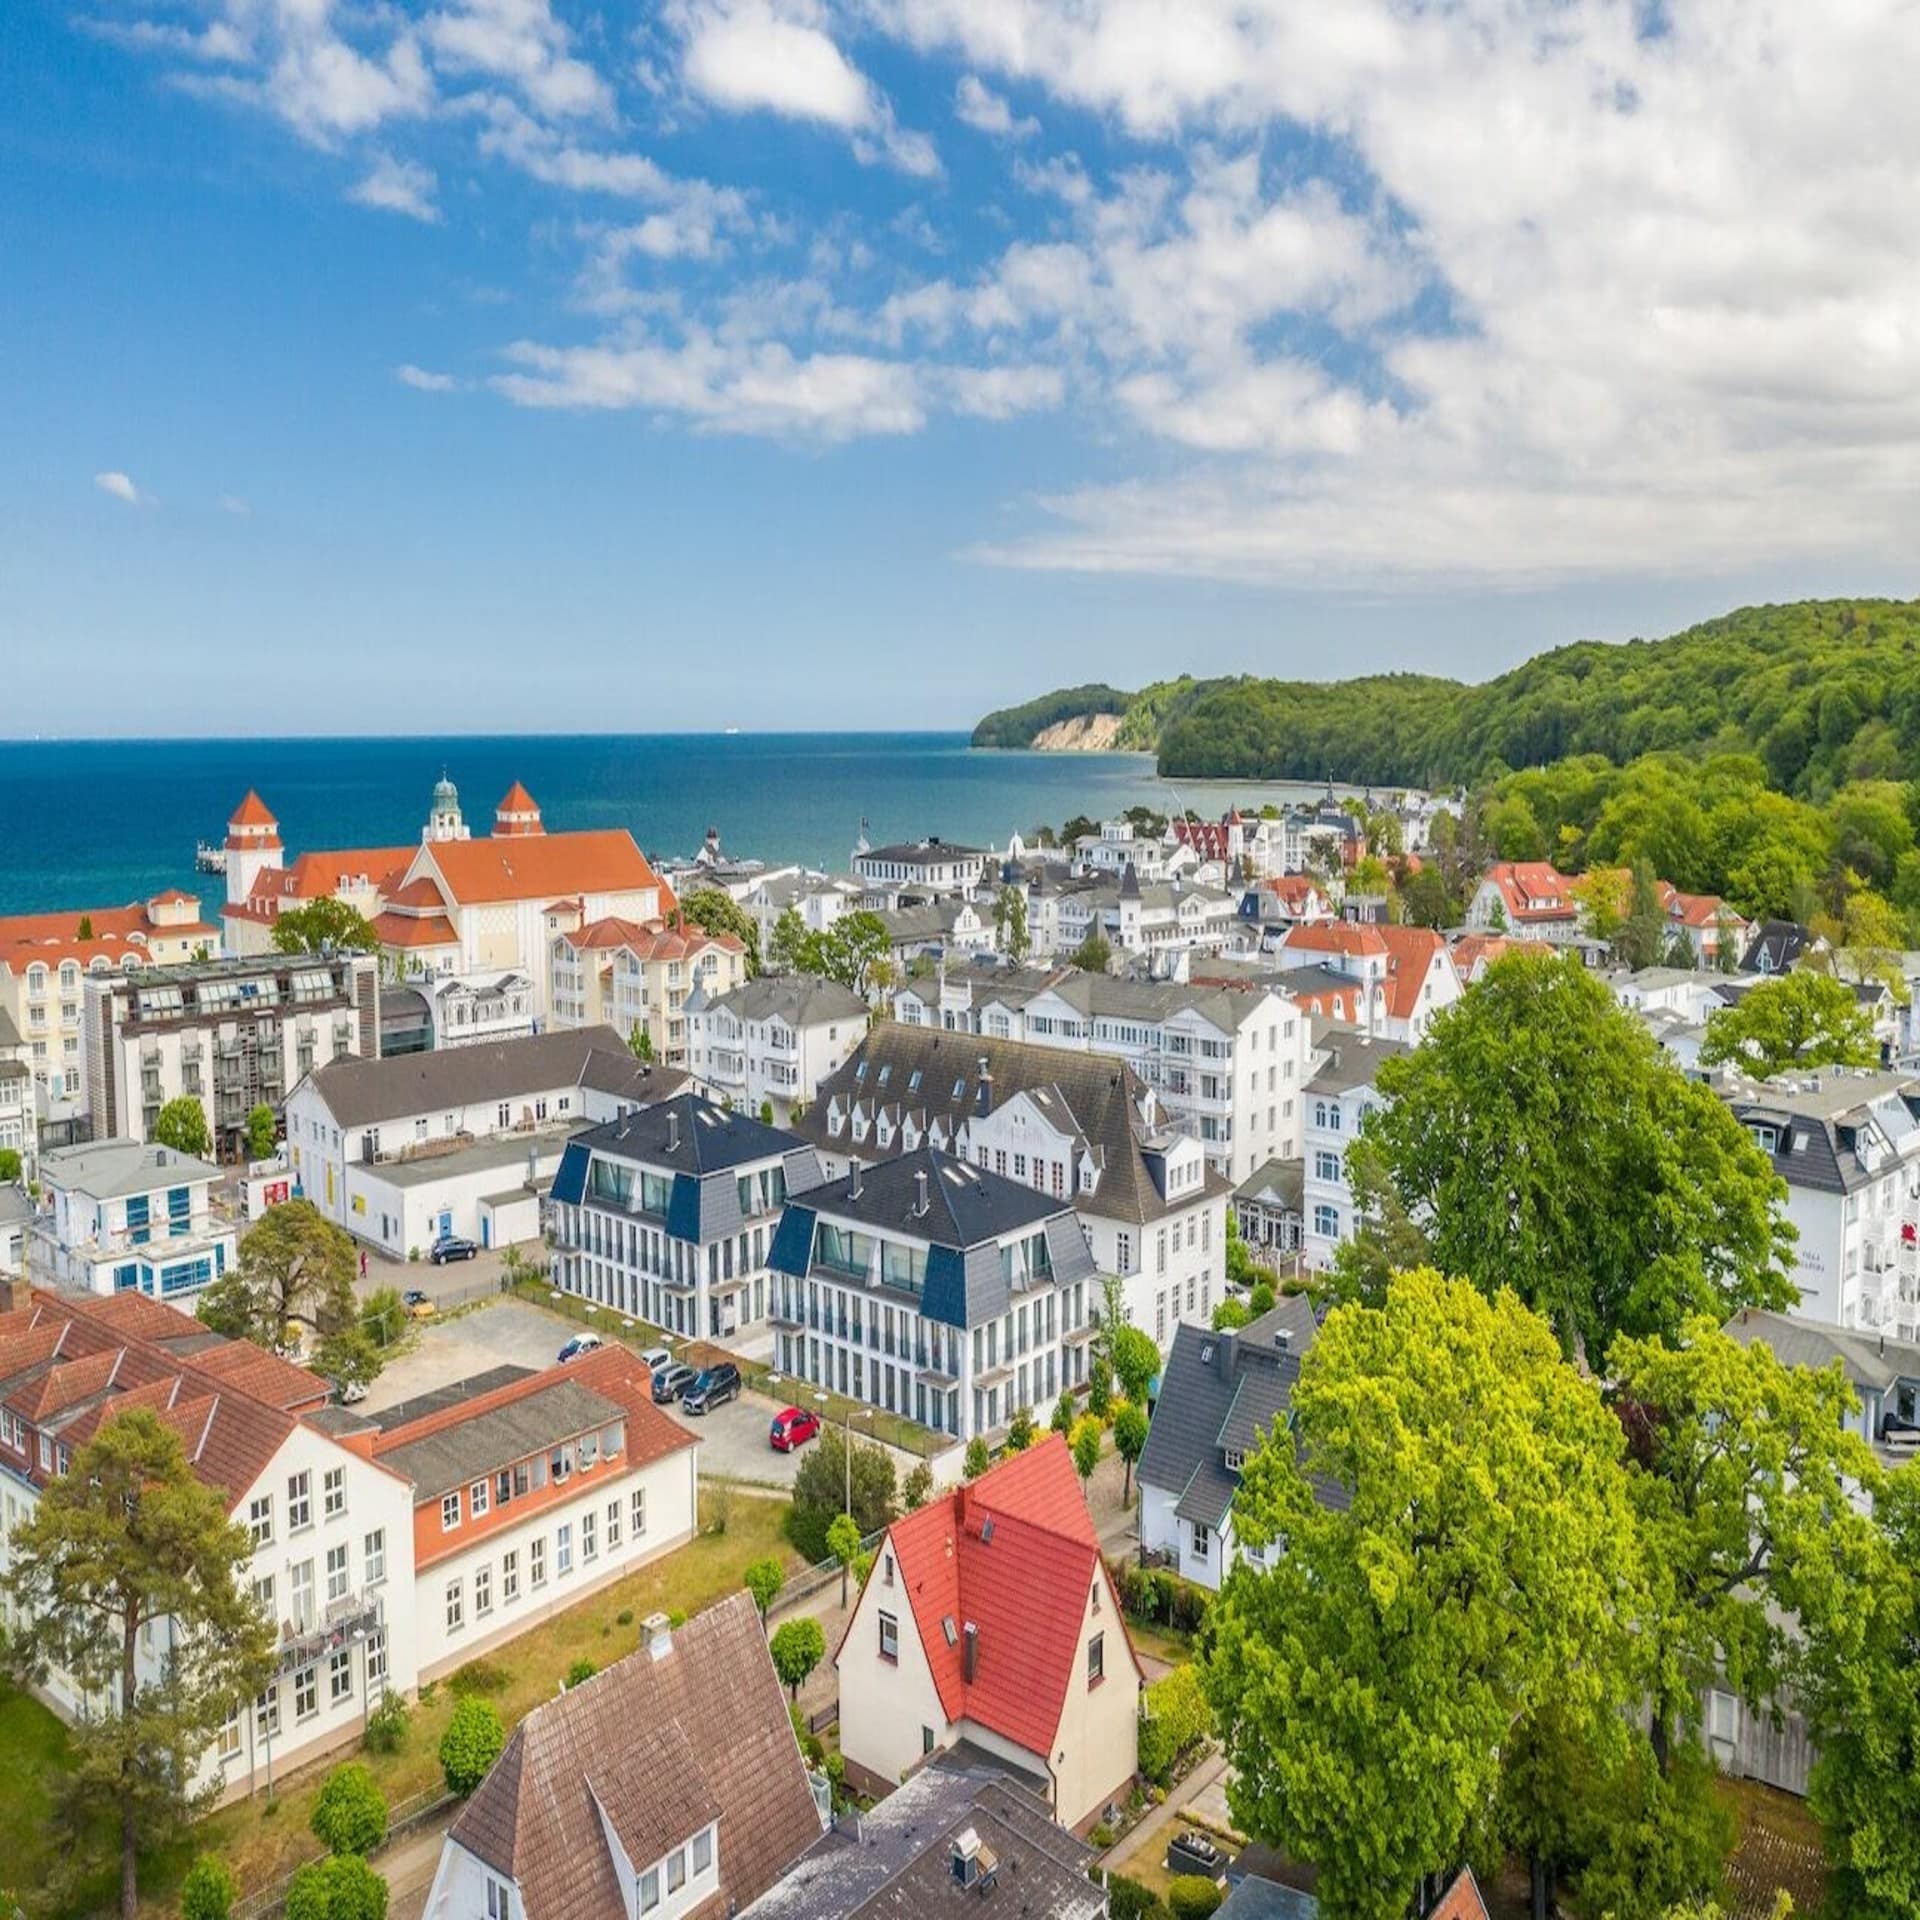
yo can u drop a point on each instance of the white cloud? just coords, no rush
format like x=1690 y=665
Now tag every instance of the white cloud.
x=422 y=381
x=519 y=41
x=120 y=487
x=399 y=186
x=218 y=42
x=758 y=56
x=1002 y=393
x=978 y=106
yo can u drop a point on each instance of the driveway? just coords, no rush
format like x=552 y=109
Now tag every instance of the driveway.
x=510 y=1332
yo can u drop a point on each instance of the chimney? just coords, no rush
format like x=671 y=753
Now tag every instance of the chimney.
x=673 y=1131
x=853 y=1189
x=966 y=1856
x=970 y=1652
x=658 y=1632
x=920 y=1194
x=983 y=1098
x=1283 y=1339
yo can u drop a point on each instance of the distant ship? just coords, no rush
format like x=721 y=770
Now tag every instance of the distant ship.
x=731 y=730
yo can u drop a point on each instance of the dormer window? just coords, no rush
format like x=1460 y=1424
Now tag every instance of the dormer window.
x=1236 y=1459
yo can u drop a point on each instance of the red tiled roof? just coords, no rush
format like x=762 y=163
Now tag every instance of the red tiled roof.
x=318 y=876
x=1533 y=890
x=1208 y=838
x=263 y=1376
x=543 y=866
x=252 y=812
x=517 y=800
x=1473 y=953
x=1343 y=937
x=403 y=930
x=1025 y=1590
x=118 y=933
x=417 y=893
x=654 y=941
x=173 y=897
x=1461 y=1901
x=1411 y=952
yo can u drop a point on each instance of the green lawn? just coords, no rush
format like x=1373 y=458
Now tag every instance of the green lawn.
x=34 y=1744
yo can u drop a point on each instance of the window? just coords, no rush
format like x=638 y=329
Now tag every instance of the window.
x=266 y=1714
x=1326 y=1222
x=499 y=1899
x=334 y=1492
x=613 y=1525
x=337 y=1581
x=638 y=1509
x=263 y=1594
x=340 y=1676
x=300 y=1583
x=650 y=1890
x=1202 y=1542
x=676 y=1869
x=259 y=1519
x=299 y=1502
x=230 y=1735
x=456 y=1607
x=449 y=1511
x=890 y=1639
x=536 y=1563
x=477 y=1498
x=589 y=1536
x=376 y=1556
x=306 y=1693
x=1096 y=1659
x=1326 y=1166
x=563 y=1549
x=482 y=1592
x=509 y=1578
x=376 y=1660
x=926 y=1739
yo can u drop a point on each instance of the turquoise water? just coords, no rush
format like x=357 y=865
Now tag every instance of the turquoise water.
x=97 y=823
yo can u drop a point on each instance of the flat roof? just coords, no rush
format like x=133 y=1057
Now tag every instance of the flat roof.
x=484 y=1156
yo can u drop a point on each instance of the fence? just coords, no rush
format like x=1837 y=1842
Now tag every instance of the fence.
x=823 y=1573
x=404 y=1819
x=894 y=1429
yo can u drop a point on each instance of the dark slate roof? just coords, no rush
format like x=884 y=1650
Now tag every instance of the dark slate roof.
x=1276 y=1183
x=1256 y=1899
x=1220 y=1391
x=440 y=1398
x=895 y=1863
x=923 y=852
x=1352 y=1061
x=1820 y=1120
x=798 y=999
x=362 y=1093
x=472 y=1449
x=1872 y=1362
x=925 y=1077
x=1775 y=946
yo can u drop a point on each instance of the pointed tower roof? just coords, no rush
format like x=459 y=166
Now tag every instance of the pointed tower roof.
x=252 y=812
x=1129 y=883
x=517 y=813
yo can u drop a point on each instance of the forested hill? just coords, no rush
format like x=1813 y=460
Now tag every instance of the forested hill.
x=1823 y=691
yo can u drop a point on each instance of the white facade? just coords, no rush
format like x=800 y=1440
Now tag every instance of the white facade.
x=1334 y=1112
x=469 y=1012
x=120 y=1216
x=928 y=866
x=771 y=1043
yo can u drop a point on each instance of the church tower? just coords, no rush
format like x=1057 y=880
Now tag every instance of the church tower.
x=252 y=847
x=444 y=822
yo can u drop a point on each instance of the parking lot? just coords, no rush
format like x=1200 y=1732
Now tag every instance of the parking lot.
x=510 y=1332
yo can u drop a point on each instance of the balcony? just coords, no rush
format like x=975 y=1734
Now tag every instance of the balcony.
x=353 y=1617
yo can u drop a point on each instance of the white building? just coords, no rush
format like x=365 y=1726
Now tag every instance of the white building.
x=1532 y=898
x=1227 y=1064
x=769 y=1044
x=935 y=1290
x=1134 y=916
x=1340 y=1095
x=928 y=868
x=1116 y=847
x=123 y=1216
x=1406 y=974
x=233 y=1034
x=1071 y=1125
x=19 y=1122
x=401 y=1152
x=471 y=1012
x=669 y=1214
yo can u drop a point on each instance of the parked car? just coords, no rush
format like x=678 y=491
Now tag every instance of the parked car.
x=1193 y=1852
x=714 y=1388
x=451 y=1247
x=579 y=1344
x=349 y=1393
x=418 y=1306
x=793 y=1428
x=670 y=1382
x=656 y=1357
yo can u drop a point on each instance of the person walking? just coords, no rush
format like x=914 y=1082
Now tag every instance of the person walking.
x=363 y=1263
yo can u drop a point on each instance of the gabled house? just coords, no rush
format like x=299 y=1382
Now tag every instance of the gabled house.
x=1531 y=897
x=989 y=1624
x=1220 y=1395
x=1777 y=946
x=1406 y=973
x=1343 y=1091
x=1884 y=1373
x=668 y=1787
x=771 y=1042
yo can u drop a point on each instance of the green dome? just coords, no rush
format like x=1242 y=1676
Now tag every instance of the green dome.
x=445 y=794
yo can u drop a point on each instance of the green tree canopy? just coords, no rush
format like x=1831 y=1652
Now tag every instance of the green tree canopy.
x=322 y=926
x=764 y=1579
x=263 y=1133
x=797 y=1647
x=471 y=1744
x=819 y=1490
x=1010 y=923
x=843 y=1544
x=719 y=912
x=1129 y=1439
x=350 y=1814
x=1093 y=954
x=1541 y=1143
x=1792 y=1022
x=294 y=1276
x=1084 y=1442
x=182 y=1125
x=1134 y=1358
x=1368 y=1683
x=342 y=1887
x=129 y=1537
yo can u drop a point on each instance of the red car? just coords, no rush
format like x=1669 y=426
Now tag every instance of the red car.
x=793 y=1428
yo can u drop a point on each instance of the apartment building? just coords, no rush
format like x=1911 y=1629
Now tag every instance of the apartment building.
x=769 y=1044
x=233 y=1034
x=19 y=1119
x=929 y=868
x=1342 y=1092
x=639 y=979
x=669 y=1213
x=119 y=1216
x=1406 y=974
x=933 y=1289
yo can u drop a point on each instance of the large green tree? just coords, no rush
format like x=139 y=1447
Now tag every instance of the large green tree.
x=1010 y=923
x=182 y=1125
x=127 y=1542
x=1790 y=1023
x=1537 y=1140
x=718 y=912
x=1477 y=1566
x=292 y=1287
x=322 y=926
x=855 y=950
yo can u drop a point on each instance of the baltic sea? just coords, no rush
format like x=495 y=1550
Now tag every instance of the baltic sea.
x=101 y=823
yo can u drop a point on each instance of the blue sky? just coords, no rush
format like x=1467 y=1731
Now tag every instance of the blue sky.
x=480 y=364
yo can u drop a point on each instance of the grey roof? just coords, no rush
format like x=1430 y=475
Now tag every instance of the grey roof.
x=1819 y=1121
x=923 y=851
x=896 y=1859
x=15 y=1207
x=800 y=999
x=1873 y=1362
x=109 y=1169
x=1775 y=946
x=690 y=1134
x=1275 y=1183
x=9 y=1033
x=930 y=920
x=1221 y=1391
x=913 y=1073
x=495 y=1155
x=1255 y=1898
x=472 y=1449
x=361 y=1093
x=1353 y=1060
x=406 y=1412
x=1112 y=997
x=966 y=1206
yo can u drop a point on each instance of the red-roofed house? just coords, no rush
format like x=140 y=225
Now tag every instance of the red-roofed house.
x=989 y=1617
x=1405 y=974
x=1474 y=953
x=615 y=972
x=1530 y=897
x=1705 y=921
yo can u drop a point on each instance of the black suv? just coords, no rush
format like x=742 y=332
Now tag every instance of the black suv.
x=714 y=1388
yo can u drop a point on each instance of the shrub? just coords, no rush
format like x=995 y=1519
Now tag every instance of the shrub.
x=1190 y=1896
x=624 y=1618
x=1099 y=1386
x=977 y=1459
x=580 y=1672
x=819 y=1490
x=478 y=1677
x=470 y=1745
x=1131 y=1899
x=1173 y=1718
x=917 y=1489
x=1189 y=1606
x=350 y=1815
x=9 y=1166
x=1260 y=1299
x=719 y=1506
x=208 y=1891
x=387 y=1725
x=341 y=1888
x=1065 y=1413
x=1100 y=1836
x=1020 y=1430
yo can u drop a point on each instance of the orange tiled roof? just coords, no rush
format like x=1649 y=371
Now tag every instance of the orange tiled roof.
x=119 y=933
x=1411 y=952
x=517 y=800
x=654 y=941
x=1336 y=936
x=1533 y=890
x=410 y=930
x=544 y=866
x=252 y=812
x=1462 y=1900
